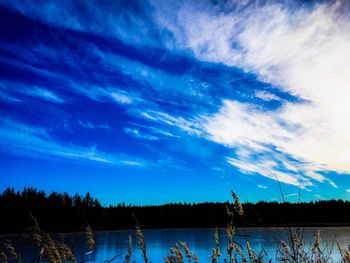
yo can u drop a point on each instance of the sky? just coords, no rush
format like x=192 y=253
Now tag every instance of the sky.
x=150 y=102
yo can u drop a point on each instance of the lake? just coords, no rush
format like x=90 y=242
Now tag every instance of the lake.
x=200 y=241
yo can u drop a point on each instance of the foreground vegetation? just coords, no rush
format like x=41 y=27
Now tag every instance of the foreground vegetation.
x=292 y=250
x=61 y=212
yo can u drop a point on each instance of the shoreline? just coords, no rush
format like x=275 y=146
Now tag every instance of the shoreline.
x=145 y=228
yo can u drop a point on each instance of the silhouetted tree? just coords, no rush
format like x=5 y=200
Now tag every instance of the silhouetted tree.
x=61 y=212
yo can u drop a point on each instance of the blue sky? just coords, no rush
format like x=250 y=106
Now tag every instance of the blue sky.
x=149 y=102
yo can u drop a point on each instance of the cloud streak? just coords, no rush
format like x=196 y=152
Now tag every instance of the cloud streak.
x=140 y=135
x=24 y=140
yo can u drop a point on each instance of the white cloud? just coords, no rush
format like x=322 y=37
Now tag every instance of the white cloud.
x=44 y=94
x=90 y=125
x=190 y=126
x=10 y=87
x=264 y=143
x=6 y=97
x=132 y=163
x=162 y=132
x=293 y=194
x=269 y=169
x=158 y=129
x=303 y=51
x=261 y=186
x=140 y=135
x=99 y=93
x=121 y=98
x=266 y=96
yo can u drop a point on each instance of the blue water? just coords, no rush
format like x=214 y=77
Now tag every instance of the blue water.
x=200 y=241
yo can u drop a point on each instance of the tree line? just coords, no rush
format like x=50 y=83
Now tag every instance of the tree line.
x=62 y=212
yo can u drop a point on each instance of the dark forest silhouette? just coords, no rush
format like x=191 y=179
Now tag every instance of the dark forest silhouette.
x=61 y=212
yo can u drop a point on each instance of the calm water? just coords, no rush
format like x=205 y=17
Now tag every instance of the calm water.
x=200 y=241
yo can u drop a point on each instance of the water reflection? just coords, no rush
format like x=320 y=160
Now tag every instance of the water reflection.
x=200 y=241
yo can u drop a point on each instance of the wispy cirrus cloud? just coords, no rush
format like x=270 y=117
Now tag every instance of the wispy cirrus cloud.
x=158 y=130
x=139 y=134
x=187 y=125
x=120 y=98
x=24 y=140
x=7 y=97
x=107 y=19
x=90 y=125
x=303 y=50
x=13 y=88
x=266 y=96
x=44 y=94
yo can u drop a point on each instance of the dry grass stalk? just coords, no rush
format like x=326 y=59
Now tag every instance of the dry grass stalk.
x=141 y=243
x=89 y=237
x=299 y=250
x=230 y=231
x=65 y=252
x=216 y=251
x=345 y=254
x=187 y=250
x=214 y=256
x=37 y=234
x=3 y=257
x=229 y=215
x=217 y=238
x=250 y=252
x=190 y=256
x=128 y=255
x=237 y=205
x=317 y=241
x=316 y=250
x=241 y=254
x=51 y=252
x=176 y=255
x=10 y=249
x=285 y=251
x=38 y=237
x=285 y=248
x=296 y=240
